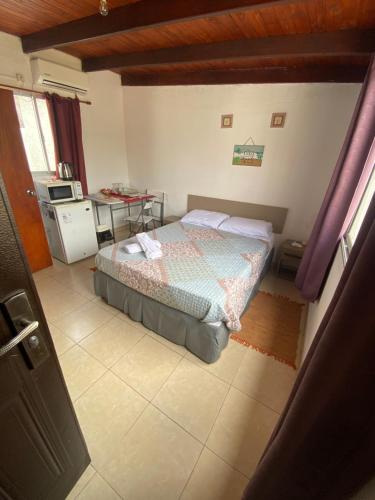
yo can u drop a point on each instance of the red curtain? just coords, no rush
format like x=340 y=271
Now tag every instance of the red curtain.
x=349 y=178
x=66 y=124
x=323 y=447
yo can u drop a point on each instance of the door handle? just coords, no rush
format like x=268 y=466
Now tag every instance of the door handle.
x=30 y=192
x=19 y=338
x=21 y=321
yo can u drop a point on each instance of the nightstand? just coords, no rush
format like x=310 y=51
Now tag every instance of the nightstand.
x=289 y=260
x=170 y=219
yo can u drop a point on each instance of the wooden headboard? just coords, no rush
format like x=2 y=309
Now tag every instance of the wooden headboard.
x=275 y=215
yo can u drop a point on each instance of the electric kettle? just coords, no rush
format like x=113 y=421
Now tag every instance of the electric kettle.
x=65 y=171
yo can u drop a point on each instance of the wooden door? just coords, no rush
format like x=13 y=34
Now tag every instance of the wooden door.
x=20 y=187
x=42 y=450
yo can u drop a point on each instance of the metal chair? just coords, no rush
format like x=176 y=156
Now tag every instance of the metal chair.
x=159 y=199
x=142 y=219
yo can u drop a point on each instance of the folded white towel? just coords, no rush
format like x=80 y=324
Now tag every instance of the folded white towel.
x=150 y=247
x=133 y=248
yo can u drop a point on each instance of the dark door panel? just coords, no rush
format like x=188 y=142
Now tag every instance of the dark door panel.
x=42 y=451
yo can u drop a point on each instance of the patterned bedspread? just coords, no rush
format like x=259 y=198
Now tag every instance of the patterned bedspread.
x=206 y=273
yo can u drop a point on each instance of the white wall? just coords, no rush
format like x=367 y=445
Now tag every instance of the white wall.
x=317 y=309
x=175 y=143
x=103 y=126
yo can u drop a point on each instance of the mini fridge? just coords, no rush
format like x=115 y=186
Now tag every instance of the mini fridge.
x=70 y=230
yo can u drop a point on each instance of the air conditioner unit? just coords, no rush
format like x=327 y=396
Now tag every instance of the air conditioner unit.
x=59 y=77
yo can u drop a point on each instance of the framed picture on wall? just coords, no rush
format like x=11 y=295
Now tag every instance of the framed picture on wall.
x=278 y=120
x=248 y=155
x=226 y=121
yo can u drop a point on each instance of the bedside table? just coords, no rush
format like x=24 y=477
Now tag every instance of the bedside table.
x=289 y=260
x=170 y=219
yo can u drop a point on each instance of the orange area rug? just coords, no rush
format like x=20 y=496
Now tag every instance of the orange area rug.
x=271 y=325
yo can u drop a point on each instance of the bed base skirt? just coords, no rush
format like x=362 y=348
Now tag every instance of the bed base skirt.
x=205 y=340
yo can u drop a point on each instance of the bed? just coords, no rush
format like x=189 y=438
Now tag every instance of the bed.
x=196 y=293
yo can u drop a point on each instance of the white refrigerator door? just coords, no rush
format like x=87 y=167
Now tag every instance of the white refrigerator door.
x=77 y=229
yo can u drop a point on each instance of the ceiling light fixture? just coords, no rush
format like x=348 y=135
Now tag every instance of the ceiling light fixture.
x=103 y=7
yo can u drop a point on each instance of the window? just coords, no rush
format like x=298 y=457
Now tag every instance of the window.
x=359 y=215
x=36 y=133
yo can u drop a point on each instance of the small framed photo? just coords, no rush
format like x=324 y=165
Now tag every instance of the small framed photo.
x=278 y=120
x=226 y=121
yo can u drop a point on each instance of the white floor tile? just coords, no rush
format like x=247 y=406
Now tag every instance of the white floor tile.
x=56 y=307
x=144 y=450
x=147 y=366
x=242 y=431
x=192 y=398
x=111 y=341
x=106 y=411
x=154 y=460
x=213 y=479
x=61 y=342
x=83 y=321
x=226 y=367
x=265 y=379
x=81 y=483
x=180 y=349
x=80 y=370
x=98 y=489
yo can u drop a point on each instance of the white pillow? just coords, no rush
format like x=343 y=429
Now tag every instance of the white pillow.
x=204 y=218
x=252 y=228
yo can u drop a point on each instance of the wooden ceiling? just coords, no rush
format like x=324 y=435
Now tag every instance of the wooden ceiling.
x=168 y=42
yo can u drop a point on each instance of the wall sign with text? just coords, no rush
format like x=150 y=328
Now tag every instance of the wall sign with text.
x=248 y=155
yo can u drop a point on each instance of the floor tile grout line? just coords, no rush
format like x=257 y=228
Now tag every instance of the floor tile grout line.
x=153 y=337
x=166 y=380
x=128 y=385
x=182 y=357
x=123 y=437
x=151 y=401
x=86 y=485
x=95 y=330
x=108 y=483
x=205 y=447
x=92 y=383
x=258 y=401
x=83 y=338
x=218 y=413
x=88 y=388
x=115 y=362
x=177 y=423
x=227 y=463
x=191 y=473
x=65 y=286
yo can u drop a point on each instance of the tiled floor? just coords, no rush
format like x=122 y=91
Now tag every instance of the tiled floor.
x=159 y=423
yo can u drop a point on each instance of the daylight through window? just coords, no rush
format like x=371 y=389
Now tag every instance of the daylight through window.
x=360 y=214
x=36 y=133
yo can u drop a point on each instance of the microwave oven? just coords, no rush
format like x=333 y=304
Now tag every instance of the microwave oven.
x=58 y=191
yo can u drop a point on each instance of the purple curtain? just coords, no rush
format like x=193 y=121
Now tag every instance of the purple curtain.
x=324 y=444
x=65 y=118
x=344 y=191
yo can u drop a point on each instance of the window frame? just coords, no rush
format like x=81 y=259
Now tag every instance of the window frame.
x=346 y=244
x=48 y=171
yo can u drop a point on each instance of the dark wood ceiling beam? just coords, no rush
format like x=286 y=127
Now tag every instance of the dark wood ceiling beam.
x=349 y=42
x=306 y=74
x=135 y=16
